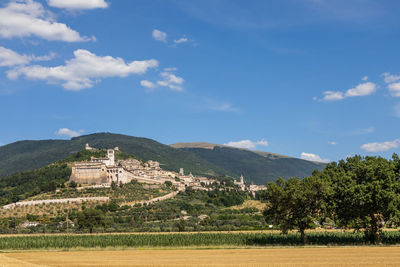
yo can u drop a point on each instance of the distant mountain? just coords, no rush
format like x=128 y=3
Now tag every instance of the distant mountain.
x=27 y=155
x=206 y=145
x=256 y=166
x=203 y=159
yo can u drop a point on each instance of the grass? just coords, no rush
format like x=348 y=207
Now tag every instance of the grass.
x=241 y=239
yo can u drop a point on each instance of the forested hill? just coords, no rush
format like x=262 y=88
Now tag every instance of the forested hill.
x=27 y=155
x=255 y=167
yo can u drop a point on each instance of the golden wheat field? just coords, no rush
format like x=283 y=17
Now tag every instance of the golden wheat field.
x=341 y=256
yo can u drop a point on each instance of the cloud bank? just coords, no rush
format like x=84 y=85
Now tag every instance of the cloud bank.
x=159 y=35
x=78 y=4
x=171 y=80
x=362 y=89
x=380 y=147
x=28 y=18
x=248 y=144
x=313 y=157
x=69 y=133
x=10 y=58
x=84 y=70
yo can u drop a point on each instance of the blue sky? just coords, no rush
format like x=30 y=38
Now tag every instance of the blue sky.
x=316 y=79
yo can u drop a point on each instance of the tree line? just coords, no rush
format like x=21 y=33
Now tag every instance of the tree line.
x=362 y=193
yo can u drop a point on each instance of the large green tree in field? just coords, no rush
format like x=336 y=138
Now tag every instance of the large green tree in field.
x=366 y=193
x=295 y=203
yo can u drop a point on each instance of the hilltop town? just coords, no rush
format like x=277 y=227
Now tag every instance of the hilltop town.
x=101 y=172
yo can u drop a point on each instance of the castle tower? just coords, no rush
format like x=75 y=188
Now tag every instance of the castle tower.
x=110 y=156
x=241 y=179
x=87 y=147
x=181 y=172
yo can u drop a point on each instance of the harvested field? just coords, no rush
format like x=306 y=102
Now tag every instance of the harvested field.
x=344 y=256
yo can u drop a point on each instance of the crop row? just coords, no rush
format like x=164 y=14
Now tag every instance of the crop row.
x=182 y=240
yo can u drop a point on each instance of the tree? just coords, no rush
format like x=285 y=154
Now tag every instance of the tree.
x=90 y=218
x=366 y=194
x=295 y=203
x=181 y=225
x=72 y=184
x=113 y=185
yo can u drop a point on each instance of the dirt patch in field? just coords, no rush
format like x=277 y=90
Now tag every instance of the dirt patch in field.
x=343 y=256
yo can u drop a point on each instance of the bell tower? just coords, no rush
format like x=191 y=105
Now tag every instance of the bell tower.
x=110 y=156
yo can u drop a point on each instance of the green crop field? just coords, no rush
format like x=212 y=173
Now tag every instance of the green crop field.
x=241 y=239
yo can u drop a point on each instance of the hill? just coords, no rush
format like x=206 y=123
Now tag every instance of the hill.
x=258 y=168
x=205 y=159
x=27 y=155
x=211 y=146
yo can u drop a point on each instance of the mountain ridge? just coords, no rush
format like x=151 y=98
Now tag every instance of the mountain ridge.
x=207 y=145
x=218 y=161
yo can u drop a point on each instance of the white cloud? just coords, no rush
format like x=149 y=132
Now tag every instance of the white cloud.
x=362 y=89
x=68 y=132
x=171 y=80
x=333 y=95
x=394 y=89
x=78 y=4
x=28 y=18
x=9 y=58
x=389 y=78
x=365 y=78
x=379 y=147
x=171 y=69
x=394 y=85
x=159 y=35
x=147 y=84
x=181 y=40
x=248 y=144
x=313 y=157
x=332 y=143
x=84 y=70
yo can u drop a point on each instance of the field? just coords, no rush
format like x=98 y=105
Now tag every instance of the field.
x=343 y=256
x=188 y=240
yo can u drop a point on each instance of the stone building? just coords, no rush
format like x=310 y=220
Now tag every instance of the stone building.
x=104 y=171
x=99 y=170
x=89 y=173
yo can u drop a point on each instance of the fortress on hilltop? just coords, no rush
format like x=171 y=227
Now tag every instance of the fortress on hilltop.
x=104 y=171
x=99 y=170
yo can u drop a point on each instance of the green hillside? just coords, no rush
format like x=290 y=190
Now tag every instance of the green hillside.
x=29 y=155
x=255 y=167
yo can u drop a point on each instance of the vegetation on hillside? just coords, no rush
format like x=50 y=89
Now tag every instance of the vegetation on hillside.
x=27 y=155
x=362 y=193
x=124 y=193
x=192 y=210
x=26 y=184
